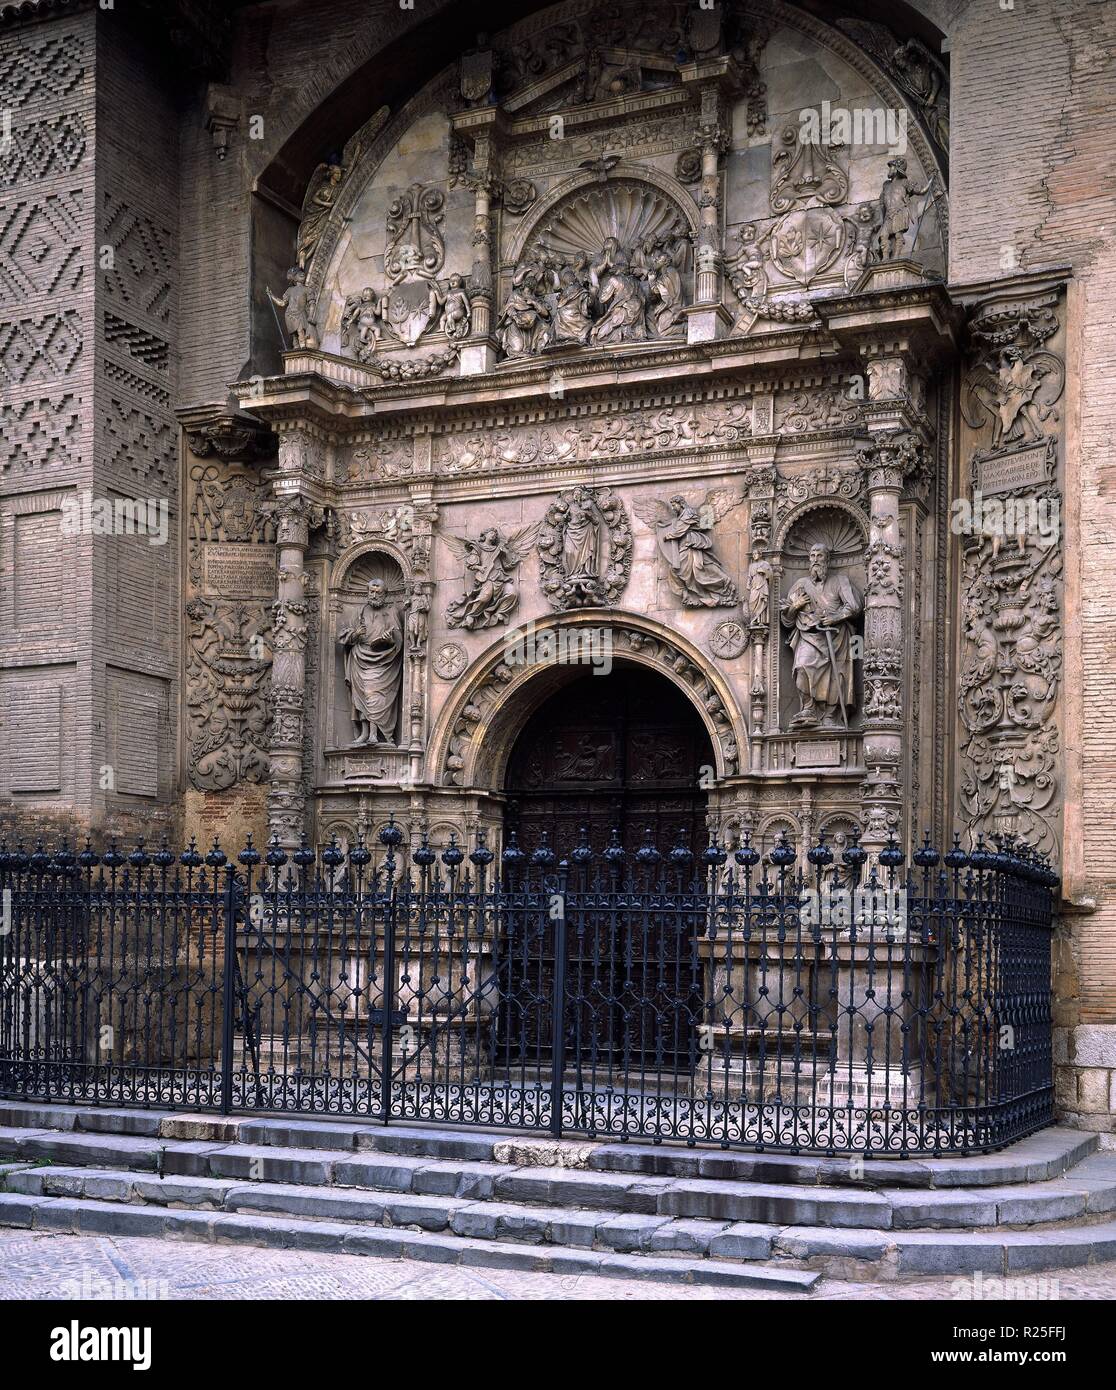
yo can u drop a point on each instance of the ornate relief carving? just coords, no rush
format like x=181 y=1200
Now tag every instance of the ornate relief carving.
x=1013 y=382
x=491 y=562
x=805 y=173
x=817 y=408
x=605 y=266
x=682 y=533
x=476 y=716
x=1011 y=583
x=227 y=664
x=585 y=549
x=918 y=73
x=666 y=429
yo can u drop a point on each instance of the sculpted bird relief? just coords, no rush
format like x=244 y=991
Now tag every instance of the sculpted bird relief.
x=682 y=531
x=490 y=563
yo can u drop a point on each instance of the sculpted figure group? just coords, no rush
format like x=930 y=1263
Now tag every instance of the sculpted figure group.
x=620 y=295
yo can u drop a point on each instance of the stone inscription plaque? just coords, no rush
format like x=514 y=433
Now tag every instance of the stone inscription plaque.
x=1022 y=468
x=239 y=570
x=823 y=753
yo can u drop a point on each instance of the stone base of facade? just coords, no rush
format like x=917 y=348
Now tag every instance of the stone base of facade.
x=1085 y=1079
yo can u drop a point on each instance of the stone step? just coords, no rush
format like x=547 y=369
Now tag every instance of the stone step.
x=623 y=1243
x=1088 y=1193
x=1047 y=1155
x=77 y=1215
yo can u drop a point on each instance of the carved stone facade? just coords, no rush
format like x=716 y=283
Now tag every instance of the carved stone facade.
x=614 y=329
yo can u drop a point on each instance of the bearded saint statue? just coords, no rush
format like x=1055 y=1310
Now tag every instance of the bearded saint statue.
x=819 y=610
x=374 y=667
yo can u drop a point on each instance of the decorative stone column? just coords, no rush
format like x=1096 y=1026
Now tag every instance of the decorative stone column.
x=286 y=800
x=482 y=126
x=708 y=318
x=885 y=459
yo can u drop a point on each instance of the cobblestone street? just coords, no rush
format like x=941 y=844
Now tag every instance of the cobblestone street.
x=44 y=1266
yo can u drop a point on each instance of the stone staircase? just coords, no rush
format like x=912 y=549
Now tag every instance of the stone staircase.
x=630 y=1210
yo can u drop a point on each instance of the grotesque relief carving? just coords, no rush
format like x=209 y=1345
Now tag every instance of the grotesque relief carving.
x=1011 y=583
x=373 y=647
x=491 y=562
x=227 y=664
x=585 y=549
x=683 y=535
x=606 y=267
x=819 y=408
x=1013 y=382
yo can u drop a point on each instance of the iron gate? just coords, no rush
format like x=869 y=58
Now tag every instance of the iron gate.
x=770 y=1002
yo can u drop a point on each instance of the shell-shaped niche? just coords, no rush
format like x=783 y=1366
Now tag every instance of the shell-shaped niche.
x=829 y=527
x=634 y=213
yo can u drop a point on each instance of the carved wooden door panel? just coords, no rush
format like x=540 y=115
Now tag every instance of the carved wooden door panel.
x=622 y=752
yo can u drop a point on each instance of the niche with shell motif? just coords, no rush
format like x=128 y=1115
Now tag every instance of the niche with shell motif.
x=820 y=618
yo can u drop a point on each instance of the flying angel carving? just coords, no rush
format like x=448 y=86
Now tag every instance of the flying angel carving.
x=682 y=531
x=491 y=560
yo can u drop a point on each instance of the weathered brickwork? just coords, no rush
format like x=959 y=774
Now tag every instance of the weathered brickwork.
x=47 y=331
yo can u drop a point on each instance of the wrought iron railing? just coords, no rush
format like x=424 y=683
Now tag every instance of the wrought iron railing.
x=822 y=1005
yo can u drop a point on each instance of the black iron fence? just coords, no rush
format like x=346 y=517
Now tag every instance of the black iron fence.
x=823 y=1004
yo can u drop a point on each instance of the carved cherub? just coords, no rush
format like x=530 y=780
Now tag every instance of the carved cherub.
x=457 y=308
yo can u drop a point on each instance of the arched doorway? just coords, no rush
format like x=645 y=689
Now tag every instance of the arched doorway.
x=625 y=751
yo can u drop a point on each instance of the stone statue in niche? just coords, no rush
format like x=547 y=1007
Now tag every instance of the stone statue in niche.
x=297 y=308
x=759 y=590
x=819 y=611
x=682 y=531
x=373 y=648
x=896 y=211
x=491 y=562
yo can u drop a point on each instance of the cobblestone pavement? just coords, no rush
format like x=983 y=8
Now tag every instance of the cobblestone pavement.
x=45 y=1266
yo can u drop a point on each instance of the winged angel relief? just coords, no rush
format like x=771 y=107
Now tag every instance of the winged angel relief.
x=490 y=562
x=683 y=535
